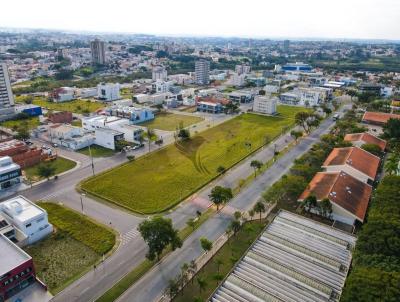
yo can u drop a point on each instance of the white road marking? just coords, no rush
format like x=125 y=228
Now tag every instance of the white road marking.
x=129 y=236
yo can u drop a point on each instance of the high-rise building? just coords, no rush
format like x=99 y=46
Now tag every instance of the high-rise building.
x=159 y=73
x=98 y=49
x=286 y=45
x=202 y=72
x=6 y=95
x=242 y=69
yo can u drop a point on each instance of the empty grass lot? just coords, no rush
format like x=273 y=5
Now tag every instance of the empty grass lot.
x=71 y=250
x=60 y=163
x=170 y=121
x=31 y=123
x=76 y=106
x=97 y=151
x=159 y=181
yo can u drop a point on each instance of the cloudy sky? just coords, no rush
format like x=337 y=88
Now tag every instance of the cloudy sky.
x=377 y=19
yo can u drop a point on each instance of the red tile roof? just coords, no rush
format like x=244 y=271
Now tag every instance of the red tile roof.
x=379 y=118
x=341 y=189
x=357 y=158
x=214 y=100
x=366 y=138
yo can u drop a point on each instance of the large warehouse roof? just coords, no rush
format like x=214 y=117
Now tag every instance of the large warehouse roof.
x=295 y=259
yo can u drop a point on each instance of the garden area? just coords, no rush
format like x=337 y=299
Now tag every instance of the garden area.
x=75 y=246
x=97 y=151
x=211 y=275
x=171 y=121
x=60 y=165
x=159 y=181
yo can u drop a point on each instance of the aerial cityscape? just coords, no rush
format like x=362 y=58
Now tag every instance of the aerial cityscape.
x=200 y=152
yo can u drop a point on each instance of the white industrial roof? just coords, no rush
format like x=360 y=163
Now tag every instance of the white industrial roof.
x=20 y=209
x=11 y=255
x=295 y=259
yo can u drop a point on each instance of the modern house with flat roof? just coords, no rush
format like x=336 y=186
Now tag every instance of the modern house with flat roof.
x=16 y=269
x=108 y=138
x=294 y=259
x=354 y=161
x=29 y=218
x=10 y=173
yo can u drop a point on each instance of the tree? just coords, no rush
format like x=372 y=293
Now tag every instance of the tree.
x=256 y=165
x=184 y=275
x=202 y=283
x=191 y=223
x=307 y=120
x=158 y=233
x=221 y=170
x=392 y=128
x=218 y=277
x=150 y=135
x=251 y=214
x=296 y=134
x=206 y=244
x=46 y=170
x=326 y=207
x=192 y=269
x=259 y=208
x=235 y=226
x=183 y=134
x=237 y=215
x=220 y=195
x=392 y=164
x=309 y=203
x=372 y=148
x=173 y=287
x=64 y=74
x=22 y=132
x=219 y=262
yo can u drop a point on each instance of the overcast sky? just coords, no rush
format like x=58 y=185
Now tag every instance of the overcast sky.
x=377 y=19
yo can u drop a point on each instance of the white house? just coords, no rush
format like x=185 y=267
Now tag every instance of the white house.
x=10 y=173
x=29 y=218
x=108 y=92
x=107 y=138
x=71 y=137
x=265 y=104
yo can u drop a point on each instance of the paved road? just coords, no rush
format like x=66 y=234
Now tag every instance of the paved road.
x=150 y=287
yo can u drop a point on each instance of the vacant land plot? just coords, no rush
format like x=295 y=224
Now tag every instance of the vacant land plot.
x=61 y=165
x=170 y=121
x=160 y=180
x=97 y=151
x=74 y=247
x=31 y=123
x=76 y=106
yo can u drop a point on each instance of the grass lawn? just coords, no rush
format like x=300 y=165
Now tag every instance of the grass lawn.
x=76 y=106
x=31 y=122
x=75 y=246
x=170 y=121
x=77 y=123
x=97 y=151
x=229 y=254
x=159 y=181
x=61 y=164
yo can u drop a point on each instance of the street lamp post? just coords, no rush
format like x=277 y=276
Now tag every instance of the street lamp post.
x=82 y=195
x=91 y=157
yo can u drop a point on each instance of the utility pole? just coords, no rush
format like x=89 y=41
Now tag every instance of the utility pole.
x=82 y=195
x=91 y=157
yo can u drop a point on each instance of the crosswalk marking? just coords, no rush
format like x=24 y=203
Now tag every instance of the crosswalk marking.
x=53 y=195
x=129 y=236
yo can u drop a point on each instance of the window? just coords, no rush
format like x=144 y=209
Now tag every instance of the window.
x=40 y=219
x=28 y=225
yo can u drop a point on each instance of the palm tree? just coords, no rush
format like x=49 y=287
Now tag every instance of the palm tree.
x=251 y=214
x=150 y=135
x=392 y=164
x=220 y=195
x=256 y=165
x=202 y=283
x=259 y=207
x=235 y=226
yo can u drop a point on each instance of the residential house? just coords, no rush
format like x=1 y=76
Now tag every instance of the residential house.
x=359 y=139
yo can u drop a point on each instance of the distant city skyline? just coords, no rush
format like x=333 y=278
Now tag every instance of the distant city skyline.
x=342 y=19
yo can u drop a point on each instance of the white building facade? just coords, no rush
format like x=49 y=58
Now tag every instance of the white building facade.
x=265 y=104
x=108 y=92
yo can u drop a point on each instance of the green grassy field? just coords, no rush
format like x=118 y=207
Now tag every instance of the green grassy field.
x=170 y=121
x=76 y=106
x=73 y=249
x=61 y=164
x=159 y=181
x=229 y=254
x=31 y=123
x=97 y=151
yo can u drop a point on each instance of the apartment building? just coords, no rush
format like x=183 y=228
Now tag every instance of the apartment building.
x=6 y=95
x=265 y=104
x=202 y=72
x=98 y=51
